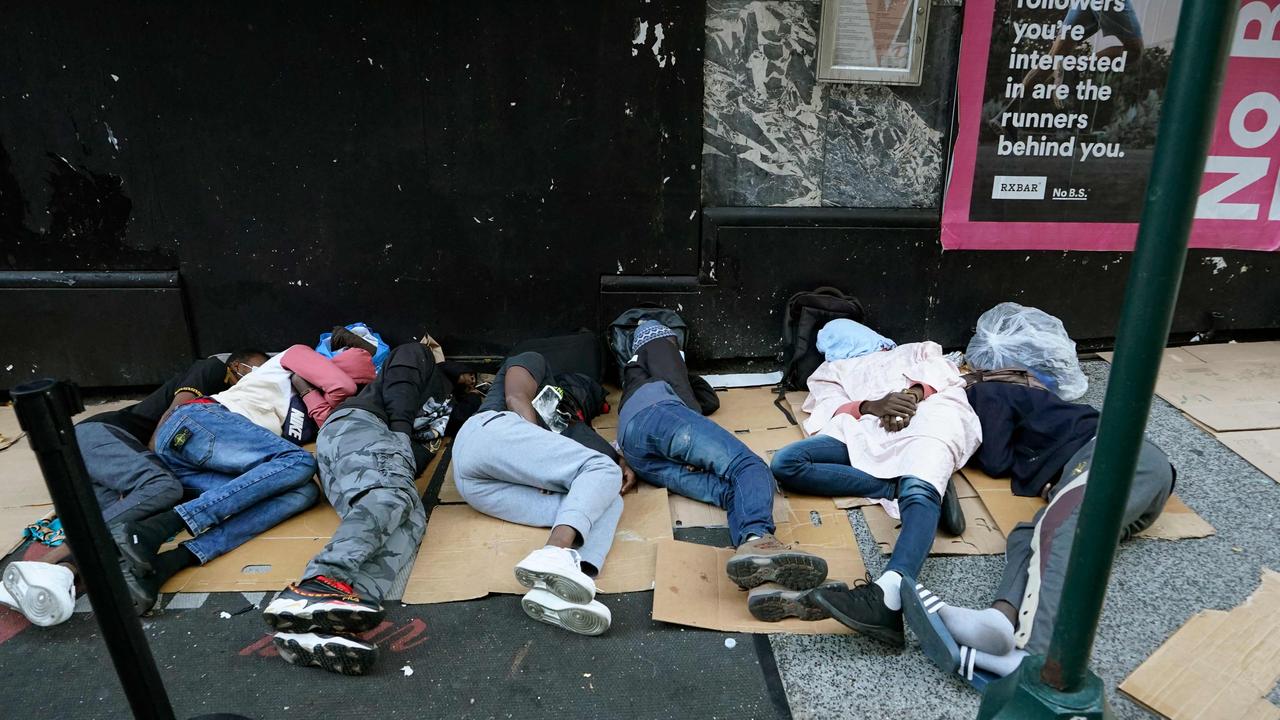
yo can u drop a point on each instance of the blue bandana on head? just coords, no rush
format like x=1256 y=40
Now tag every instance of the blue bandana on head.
x=843 y=339
x=647 y=331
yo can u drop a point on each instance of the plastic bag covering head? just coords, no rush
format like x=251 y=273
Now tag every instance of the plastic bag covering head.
x=1010 y=335
x=364 y=331
x=842 y=339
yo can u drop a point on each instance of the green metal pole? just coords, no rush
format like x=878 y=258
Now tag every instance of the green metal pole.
x=1061 y=684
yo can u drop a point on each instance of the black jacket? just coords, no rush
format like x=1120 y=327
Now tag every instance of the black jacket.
x=409 y=377
x=1028 y=434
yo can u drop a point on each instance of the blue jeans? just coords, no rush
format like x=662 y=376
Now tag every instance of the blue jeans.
x=249 y=479
x=820 y=466
x=130 y=481
x=669 y=445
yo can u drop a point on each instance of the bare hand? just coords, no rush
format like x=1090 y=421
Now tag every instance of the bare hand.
x=629 y=480
x=301 y=386
x=895 y=410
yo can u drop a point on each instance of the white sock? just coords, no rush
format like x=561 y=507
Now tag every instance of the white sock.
x=891 y=583
x=986 y=630
x=1001 y=665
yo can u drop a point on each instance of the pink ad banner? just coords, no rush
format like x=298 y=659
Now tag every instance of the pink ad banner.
x=1058 y=106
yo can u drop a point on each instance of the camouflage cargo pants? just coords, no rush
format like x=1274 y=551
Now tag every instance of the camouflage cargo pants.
x=367 y=472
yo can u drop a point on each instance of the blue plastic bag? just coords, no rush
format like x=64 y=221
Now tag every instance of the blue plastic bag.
x=364 y=331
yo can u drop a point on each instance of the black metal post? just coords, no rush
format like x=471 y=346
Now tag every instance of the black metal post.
x=44 y=409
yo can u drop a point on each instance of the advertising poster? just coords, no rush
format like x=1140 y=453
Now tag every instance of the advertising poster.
x=1059 y=102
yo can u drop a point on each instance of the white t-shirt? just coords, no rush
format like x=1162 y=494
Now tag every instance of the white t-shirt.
x=262 y=396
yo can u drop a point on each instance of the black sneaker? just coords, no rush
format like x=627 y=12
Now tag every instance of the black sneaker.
x=862 y=608
x=335 y=653
x=771 y=602
x=324 y=604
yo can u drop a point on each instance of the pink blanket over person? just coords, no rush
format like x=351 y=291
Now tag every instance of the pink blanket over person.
x=942 y=435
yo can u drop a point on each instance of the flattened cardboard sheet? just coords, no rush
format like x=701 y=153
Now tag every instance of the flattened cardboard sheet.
x=688 y=513
x=997 y=495
x=1177 y=522
x=795 y=400
x=1266 y=352
x=24 y=499
x=1228 y=387
x=468 y=555
x=749 y=409
x=692 y=588
x=260 y=565
x=981 y=534
x=14 y=520
x=1260 y=447
x=449 y=489
x=1218 y=665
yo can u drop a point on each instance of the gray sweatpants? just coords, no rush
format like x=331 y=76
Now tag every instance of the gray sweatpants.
x=509 y=468
x=131 y=482
x=1037 y=552
x=367 y=472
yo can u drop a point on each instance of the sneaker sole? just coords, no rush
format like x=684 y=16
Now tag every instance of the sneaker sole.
x=575 y=619
x=559 y=585
x=332 y=656
x=796 y=571
x=785 y=604
x=875 y=632
x=332 y=618
x=32 y=598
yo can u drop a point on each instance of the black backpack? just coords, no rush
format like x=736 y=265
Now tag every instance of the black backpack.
x=623 y=329
x=804 y=316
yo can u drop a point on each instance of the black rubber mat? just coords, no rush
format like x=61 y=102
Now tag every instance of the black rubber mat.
x=481 y=659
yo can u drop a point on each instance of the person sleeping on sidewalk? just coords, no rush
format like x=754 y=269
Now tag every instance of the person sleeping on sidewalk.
x=507 y=463
x=889 y=422
x=370 y=453
x=1045 y=446
x=669 y=443
x=128 y=479
x=229 y=449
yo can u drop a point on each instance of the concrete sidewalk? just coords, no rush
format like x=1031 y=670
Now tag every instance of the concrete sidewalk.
x=1156 y=586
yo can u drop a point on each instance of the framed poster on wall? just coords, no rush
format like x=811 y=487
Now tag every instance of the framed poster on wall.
x=872 y=41
x=1058 y=106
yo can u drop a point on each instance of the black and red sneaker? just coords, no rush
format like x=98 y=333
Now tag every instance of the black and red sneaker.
x=324 y=604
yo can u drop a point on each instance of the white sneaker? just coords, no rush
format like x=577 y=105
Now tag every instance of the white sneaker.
x=558 y=570
x=335 y=653
x=44 y=593
x=591 y=618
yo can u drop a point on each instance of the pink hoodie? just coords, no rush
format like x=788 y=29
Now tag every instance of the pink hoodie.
x=335 y=380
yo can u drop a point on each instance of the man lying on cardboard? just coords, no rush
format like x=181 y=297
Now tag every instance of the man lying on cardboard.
x=513 y=460
x=665 y=438
x=370 y=452
x=239 y=452
x=1045 y=446
x=128 y=479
